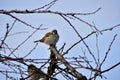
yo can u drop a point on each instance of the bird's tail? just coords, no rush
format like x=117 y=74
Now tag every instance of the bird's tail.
x=38 y=41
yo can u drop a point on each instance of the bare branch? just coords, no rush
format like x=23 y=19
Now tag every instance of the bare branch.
x=80 y=38
x=78 y=43
x=76 y=73
x=31 y=51
x=8 y=29
x=22 y=21
x=24 y=41
x=6 y=34
x=111 y=28
x=44 y=11
x=112 y=67
x=107 y=51
x=92 y=26
x=47 y=6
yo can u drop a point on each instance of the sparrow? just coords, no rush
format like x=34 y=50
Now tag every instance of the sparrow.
x=35 y=73
x=50 y=38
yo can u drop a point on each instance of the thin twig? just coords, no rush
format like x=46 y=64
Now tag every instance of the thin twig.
x=111 y=28
x=97 y=48
x=112 y=67
x=23 y=41
x=22 y=21
x=77 y=43
x=62 y=48
x=16 y=33
x=92 y=26
x=106 y=54
x=80 y=37
x=6 y=34
x=46 y=5
x=31 y=51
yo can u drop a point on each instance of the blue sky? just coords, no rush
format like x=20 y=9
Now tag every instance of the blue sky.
x=107 y=17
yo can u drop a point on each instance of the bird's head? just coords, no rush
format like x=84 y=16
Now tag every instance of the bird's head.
x=54 y=31
x=31 y=66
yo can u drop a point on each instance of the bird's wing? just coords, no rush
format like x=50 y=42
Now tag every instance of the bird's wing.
x=49 y=33
x=46 y=35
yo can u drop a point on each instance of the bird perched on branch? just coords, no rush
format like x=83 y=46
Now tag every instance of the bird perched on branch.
x=50 y=38
x=35 y=73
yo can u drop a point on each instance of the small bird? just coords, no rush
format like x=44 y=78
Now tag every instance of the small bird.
x=50 y=38
x=35 y=73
